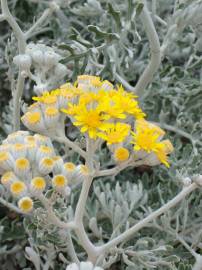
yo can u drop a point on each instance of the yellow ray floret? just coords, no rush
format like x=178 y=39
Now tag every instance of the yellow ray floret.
x=89 y=121
x=147 y=137
x=114 y=133
x=49 y=98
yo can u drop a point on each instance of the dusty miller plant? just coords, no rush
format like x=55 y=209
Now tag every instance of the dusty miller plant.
x=66 y=222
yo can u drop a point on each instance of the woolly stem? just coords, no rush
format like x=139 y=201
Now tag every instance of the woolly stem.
x=155 y=60
x=11 y=206
x=80 y=208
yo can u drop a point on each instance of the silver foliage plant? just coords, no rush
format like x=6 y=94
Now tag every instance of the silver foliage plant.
x=98 y=218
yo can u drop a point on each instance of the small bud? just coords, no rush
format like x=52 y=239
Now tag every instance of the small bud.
x=50 y=59
x=198 y=180
x=7 y=178
x=18 y=188
x=38 y=57
x=24 y=74
x=186 y=181
x=25 y=204
x=59 y=182
x=72 y=266
x=23 y=61
x=46 y=166
x=40 y=88
x=60 y=71
x=22 y=167
x=38 y=185
x=86 y=266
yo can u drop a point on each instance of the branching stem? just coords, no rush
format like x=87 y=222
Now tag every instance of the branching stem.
x=22 y=42
x=141 y=224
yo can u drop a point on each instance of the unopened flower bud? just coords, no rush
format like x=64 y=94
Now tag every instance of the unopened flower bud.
x=40 y=88
x=186 y=181
x=26 y=204
x=23 y=61
x=72 y=266
x=38 y=57
x=24 y=74
x=60 y=71
x=86 y=266
x=50 y=59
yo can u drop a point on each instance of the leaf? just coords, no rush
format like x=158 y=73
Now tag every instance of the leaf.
x=116 y=15
x=66 y=47
x=99 y=34
x=75 y=35
x=139 y=7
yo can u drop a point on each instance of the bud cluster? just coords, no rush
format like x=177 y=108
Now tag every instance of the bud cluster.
x=44 y=63
x=29 y=166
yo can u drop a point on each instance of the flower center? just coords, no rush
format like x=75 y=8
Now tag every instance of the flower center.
x=33 y=117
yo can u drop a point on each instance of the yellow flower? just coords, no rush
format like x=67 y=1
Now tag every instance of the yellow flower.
x=147 y=137
x=128 y=105
x=89 y=97
x=46 y=165
x=89 y=121
x=25 y=204
x=69 y=166
x=38 y=183
x=114 y=133
x=48 y=98
x=110 y=108
x=45 y=149
x=4 y=156
x=121 y=154
x=59 y=181
x=7 y=178
x=51 y=111
x=91 y=104
x=31 y=118
x=71 y=110
x=22 y=164
x=17 y=188
x=30 y=139
x=91 y=80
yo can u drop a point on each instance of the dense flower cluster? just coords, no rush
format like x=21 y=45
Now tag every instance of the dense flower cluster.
x=29 y=165
x=103 y=112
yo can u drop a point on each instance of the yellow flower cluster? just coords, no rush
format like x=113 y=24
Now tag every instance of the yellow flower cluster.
x=44 y=115
x=147 y=138
x=91 y=104
x=101 y=111
x=26 y=163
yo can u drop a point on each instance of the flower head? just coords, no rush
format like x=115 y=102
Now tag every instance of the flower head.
x=38 y=183
x=147 y=138
x=59 y=182
x=25 y=204
x=90 y=121
x=48 y=98
x=121 y=154
x=115 y=133
x=17 y=188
